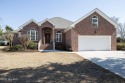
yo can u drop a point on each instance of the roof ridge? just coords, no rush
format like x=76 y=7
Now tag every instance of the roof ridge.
x=61 y=18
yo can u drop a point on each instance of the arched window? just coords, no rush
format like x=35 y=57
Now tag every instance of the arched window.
x=95 y=21
x=33 y=34
x=58 y=36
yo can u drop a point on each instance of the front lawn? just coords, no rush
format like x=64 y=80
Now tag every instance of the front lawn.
x=52 y=67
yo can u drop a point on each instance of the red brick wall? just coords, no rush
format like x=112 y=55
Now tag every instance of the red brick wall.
x=46 y=24
x=16 y=39
x=113 y=39
x=74 y=40
x=85 y=28
x=68 y=38
x=32 y=25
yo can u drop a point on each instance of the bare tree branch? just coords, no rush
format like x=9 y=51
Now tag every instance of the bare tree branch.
x=9 y=37
x=24 y=39
x=120 y=29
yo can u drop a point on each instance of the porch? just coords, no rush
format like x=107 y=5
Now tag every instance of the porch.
x=47 y=40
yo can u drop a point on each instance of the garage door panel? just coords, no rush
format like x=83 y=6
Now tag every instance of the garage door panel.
x=94 y=43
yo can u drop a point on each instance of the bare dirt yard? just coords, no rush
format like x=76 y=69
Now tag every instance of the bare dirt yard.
x=52 y=67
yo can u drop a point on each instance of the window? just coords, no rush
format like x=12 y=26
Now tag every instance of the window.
x=95 y=21
x=58 y=36
x=33 y=34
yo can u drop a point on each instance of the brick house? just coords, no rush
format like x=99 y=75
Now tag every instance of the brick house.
x=94 y=31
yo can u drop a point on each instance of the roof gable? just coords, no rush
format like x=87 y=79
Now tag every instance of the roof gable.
x=25 y=24
x=46 y=20
x=100 y=13
x=58 y=22
x=97 y=11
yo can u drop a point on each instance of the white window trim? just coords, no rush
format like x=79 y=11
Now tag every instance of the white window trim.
x=36 y=36
x=36 y=39
x=93 y=22
x=58 y=36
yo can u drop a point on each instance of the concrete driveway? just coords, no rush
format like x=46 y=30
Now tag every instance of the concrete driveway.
x=111 y=60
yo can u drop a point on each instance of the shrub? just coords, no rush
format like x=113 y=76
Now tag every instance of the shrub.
x=24 y=39
x=62 y=47
x=13 y=48
x=59 y=46
x=20 y=47
x=6 y=49
x=120 y=46
x=68 y=48
x=32 y=45
x=119 y=39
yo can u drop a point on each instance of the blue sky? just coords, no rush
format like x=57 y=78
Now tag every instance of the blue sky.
x=16 y=12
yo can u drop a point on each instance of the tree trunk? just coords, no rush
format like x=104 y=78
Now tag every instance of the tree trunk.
x=24 y=46
x=10 y=43
x=121 y=40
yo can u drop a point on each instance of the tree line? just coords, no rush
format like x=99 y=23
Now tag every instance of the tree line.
x=120 y=30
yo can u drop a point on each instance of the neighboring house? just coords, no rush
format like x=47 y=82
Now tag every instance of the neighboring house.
x=94 y=31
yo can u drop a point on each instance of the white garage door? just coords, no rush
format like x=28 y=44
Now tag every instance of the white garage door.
x=94 y=43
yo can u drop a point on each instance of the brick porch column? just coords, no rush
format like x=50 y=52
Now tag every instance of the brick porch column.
x=39 y=32
x=43 y=36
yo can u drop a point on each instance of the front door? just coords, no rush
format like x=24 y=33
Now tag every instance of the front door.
x=47 y=37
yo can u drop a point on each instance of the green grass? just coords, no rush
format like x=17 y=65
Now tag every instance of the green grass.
x=121 y=46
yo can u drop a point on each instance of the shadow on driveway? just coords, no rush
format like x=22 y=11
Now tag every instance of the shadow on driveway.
x=116 y=65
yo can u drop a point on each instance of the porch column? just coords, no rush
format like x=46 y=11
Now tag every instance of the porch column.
x=39 y=38
x=53 y=39
x=43 y=36
x=39 y=33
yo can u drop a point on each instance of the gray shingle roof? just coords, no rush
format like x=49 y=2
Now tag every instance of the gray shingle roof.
x=59 y=22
